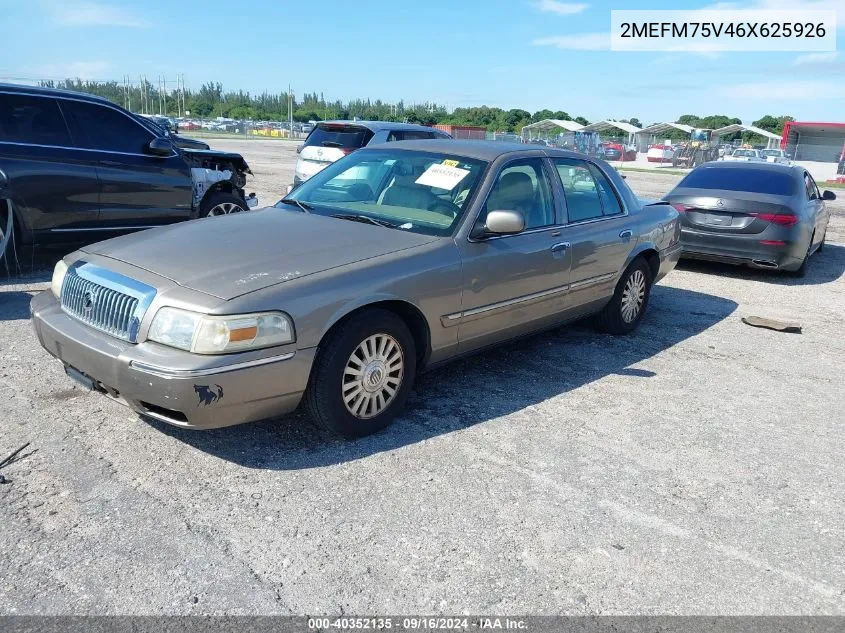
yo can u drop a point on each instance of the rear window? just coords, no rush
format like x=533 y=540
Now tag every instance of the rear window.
x=339 y=136
x=752 y=180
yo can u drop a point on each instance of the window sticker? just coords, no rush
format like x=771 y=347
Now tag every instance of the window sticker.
x=442 y=176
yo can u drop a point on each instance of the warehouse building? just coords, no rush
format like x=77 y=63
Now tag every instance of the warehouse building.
x=813 y=141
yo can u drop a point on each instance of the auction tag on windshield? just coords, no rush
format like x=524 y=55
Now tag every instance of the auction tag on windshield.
x=442 y=176
x=451 y=163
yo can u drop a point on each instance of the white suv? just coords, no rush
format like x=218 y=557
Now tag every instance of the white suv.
x=331 y=140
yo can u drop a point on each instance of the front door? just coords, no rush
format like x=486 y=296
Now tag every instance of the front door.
x=602 y=234
x=512 y=283
x=137 y=189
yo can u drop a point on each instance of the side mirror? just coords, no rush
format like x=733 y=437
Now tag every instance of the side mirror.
x=828 y=195
x=299 y=148
x=160 y=147
x=504 y=223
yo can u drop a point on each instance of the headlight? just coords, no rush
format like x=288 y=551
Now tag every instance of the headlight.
x=59 y=273
x=204 y=334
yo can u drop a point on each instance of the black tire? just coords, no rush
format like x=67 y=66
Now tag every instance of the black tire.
x=801 y=271
x=612 y=318
x=821 y=244
x=221 y=203
x=324 y=397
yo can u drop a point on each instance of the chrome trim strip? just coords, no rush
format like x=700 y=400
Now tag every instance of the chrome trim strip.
x=86 y=149
x=105 y=228
x=165 y=372
x=592 y=281
x=455 y=318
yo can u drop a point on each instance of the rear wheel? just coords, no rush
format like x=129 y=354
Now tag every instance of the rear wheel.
x=221 y=204
x=363 y=374
x=7 y=227
x=625 y=310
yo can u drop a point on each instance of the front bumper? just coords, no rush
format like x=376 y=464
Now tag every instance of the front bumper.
x=183 y=389
x=741 y=249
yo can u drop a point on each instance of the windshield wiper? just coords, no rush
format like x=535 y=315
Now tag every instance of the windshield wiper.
x=304 y=206
x=364 y=218
x=331 y=144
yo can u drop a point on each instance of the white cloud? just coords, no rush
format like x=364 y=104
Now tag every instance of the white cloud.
x=778 y=91
x=816 y=59
x=93 y=14
x=72 y=70
x=561 y=8
x=577 y=42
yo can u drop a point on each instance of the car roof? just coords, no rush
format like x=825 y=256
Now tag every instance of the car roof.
x=52 y=92
x=479 y=150
x=375 y=126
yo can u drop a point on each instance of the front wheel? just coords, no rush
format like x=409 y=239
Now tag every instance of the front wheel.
x=625 y=310
x=221 y=204
x=363 y=374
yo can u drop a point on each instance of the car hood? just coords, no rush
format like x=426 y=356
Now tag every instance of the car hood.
x=228 y=256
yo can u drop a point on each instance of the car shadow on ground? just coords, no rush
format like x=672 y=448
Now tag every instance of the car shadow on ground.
x=476 y=389
x=824 y=267
x=23 y=270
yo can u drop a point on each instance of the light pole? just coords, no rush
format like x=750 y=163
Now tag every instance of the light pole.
x=290 y=110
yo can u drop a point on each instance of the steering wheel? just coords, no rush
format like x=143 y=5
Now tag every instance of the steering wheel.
x=446 y=208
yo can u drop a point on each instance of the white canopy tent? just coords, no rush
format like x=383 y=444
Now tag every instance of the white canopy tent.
x=652 y=134
x=605 y=126
x=772 y=140
x=548 y=127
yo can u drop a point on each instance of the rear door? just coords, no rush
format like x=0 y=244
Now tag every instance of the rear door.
x=137 y=189
x=53 y=185
x=327 y=143
x=816 y=209
x=599 y=229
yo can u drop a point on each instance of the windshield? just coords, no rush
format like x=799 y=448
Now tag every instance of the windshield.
x=771 y=152
x=420 y=192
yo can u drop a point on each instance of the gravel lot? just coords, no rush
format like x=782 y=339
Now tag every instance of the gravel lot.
x=695 y=467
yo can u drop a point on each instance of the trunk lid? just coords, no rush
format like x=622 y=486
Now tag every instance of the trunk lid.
x=727 y=212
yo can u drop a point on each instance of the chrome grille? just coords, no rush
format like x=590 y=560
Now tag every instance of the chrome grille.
x=102 y=307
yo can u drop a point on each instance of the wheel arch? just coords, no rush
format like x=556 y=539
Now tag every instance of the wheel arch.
x=648 y=251
x=410 y=314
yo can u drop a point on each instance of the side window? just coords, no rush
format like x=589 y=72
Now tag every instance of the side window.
x=34 y=120
x=411 y=135
x=103 y=128
x=816 y=194
x=523 y=186
x=583 y=200
x=609 y=201
x=809 y=186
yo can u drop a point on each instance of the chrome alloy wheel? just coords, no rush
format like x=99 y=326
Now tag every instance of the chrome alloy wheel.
x=372 y=376
x=633 y=296
x=224 y=208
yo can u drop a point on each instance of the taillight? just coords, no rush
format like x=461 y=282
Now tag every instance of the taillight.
x=680 y=208
x=781 y=219
x=347 y=150
x=773 y=242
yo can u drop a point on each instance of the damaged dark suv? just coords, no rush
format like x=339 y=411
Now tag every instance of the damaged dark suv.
x=74 y=167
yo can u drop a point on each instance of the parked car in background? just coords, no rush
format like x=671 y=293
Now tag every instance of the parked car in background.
x=107 y=172
x=775 y=156
x=166 y=132
x=744 y=156
x=764 y=215
x=331 y=140
x=660 y=153
x=618 y=151
x=725 y=150
x=390 y=261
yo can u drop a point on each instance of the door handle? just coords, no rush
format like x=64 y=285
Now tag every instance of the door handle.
x=111 y=163
x=626 y=234
x=560 y=248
